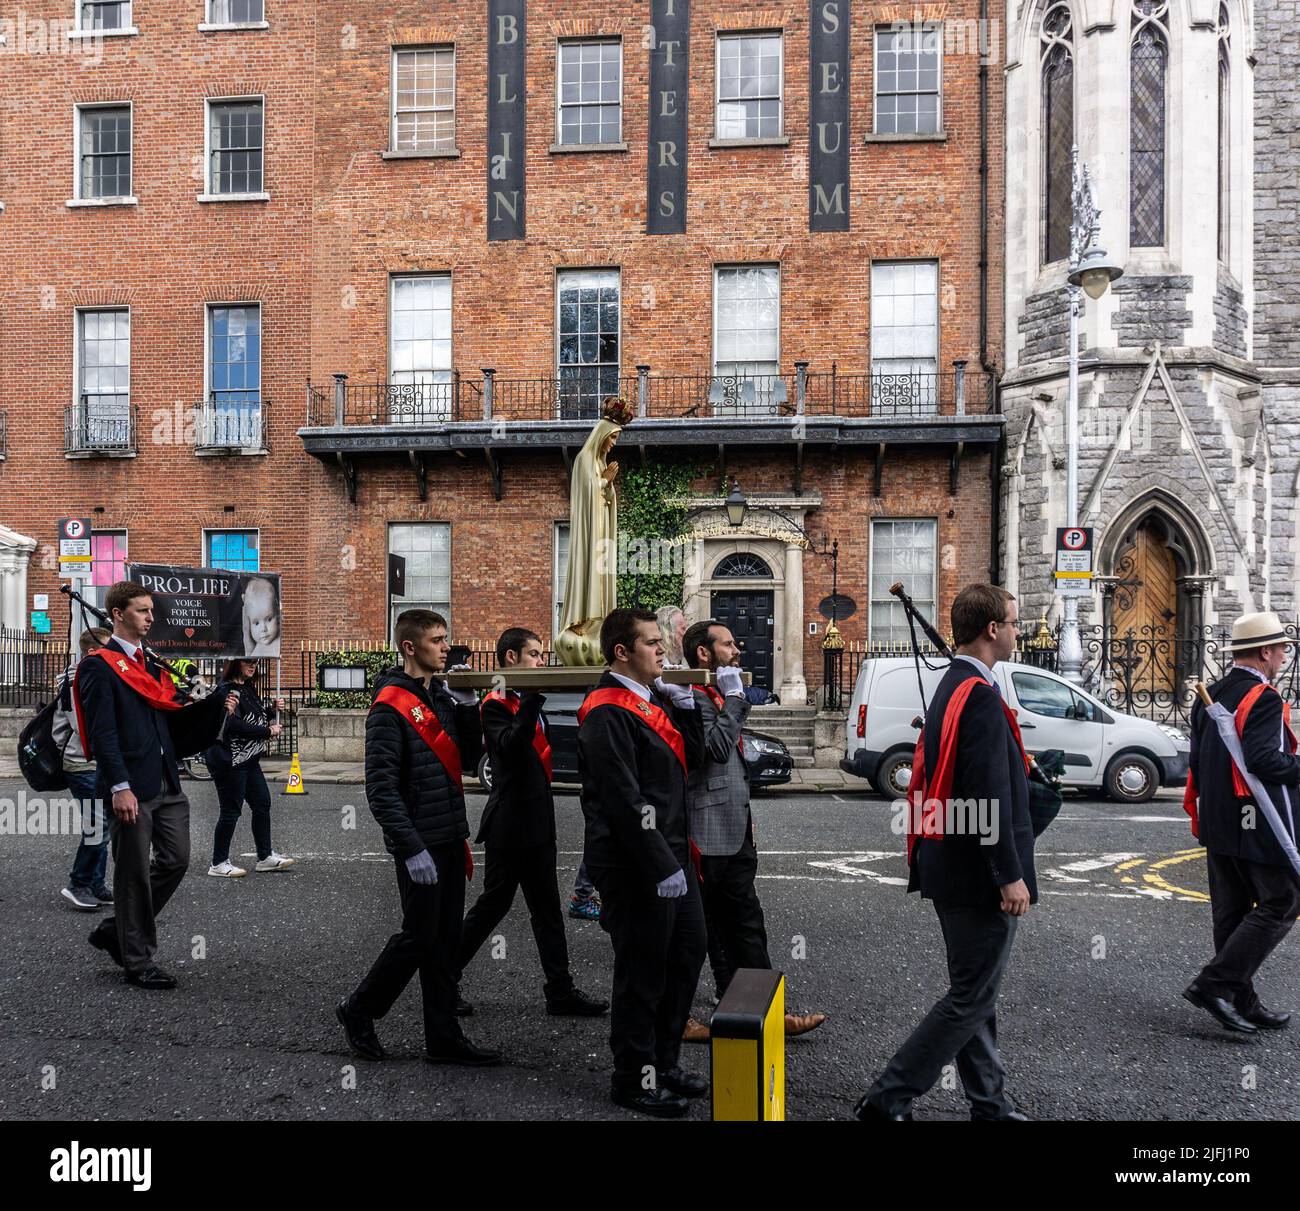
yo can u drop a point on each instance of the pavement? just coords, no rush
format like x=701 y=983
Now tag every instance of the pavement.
x=1091 y=1022
x=802 y=781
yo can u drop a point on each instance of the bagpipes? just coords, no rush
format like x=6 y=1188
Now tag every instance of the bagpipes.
x=192 y=733
x=1045 y=769
x=99 y=614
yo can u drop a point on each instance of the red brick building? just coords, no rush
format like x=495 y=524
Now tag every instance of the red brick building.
x=774 y=231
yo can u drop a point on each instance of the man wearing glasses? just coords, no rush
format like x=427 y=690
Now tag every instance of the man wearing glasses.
x=976 y=865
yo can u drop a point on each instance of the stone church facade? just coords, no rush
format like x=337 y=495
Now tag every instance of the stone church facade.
x=1188 y=401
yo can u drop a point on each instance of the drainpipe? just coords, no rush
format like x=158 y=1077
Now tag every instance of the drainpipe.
x=995 y=478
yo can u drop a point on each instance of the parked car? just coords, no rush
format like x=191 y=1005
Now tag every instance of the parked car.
x=1124 y=757
x=766 y=756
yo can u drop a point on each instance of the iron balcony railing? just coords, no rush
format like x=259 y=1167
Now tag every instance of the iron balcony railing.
x=225 y=424
x=577 y=394
x=100 y=424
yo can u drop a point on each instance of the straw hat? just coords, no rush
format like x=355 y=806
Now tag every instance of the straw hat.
x=1257 y=631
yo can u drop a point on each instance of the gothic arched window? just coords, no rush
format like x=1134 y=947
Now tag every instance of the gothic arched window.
x=1225 y=134
x=1057 y=60
x=1148 y=69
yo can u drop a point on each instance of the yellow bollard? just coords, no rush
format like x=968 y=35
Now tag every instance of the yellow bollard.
x=747 y=1049
x=295 y=786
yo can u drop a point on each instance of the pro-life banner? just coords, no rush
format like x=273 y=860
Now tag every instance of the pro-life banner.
x=211 y=611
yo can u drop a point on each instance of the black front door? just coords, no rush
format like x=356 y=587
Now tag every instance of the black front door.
x=749 y=615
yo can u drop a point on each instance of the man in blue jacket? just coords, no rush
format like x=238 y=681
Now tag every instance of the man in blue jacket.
x=420 y=735
x=977 y=865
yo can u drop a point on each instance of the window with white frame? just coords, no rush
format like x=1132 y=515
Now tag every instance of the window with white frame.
x=590 y=92
x=587 y=329
x=749 y=86
x=231 y=550
x=236 y=12
x=426 y=547
x=904 y=337
x=559 y=577
x=746 y=321
x=424 y=99
x=103 y=14
x=232 y=411
x=235 y=146
x=901 y=549
x=103 y=151
x=419 y=348
x=908 y=75
x=102 y=415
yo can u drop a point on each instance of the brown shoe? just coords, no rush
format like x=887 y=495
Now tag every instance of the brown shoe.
x=802 y=1023
x=695 y=1032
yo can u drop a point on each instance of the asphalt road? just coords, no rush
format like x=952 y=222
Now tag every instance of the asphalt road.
x=1091 y=1023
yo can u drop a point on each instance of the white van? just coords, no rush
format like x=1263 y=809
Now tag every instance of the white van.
x=1124 y=757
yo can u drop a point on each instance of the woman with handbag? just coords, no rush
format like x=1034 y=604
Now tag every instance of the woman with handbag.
x=236 y=764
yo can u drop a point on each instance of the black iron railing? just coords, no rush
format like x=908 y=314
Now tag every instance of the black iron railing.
x=575 y=394
x=222 y=424
x=100 y=424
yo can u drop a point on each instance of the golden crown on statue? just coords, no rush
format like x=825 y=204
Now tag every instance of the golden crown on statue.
x=620 y=411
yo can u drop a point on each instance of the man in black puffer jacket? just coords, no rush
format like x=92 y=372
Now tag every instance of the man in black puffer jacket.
x=419 y=736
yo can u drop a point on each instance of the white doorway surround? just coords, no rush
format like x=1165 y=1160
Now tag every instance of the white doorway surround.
x=15 y=552
x=781 y=548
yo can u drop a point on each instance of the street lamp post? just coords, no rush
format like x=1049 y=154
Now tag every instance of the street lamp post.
x=1091 y=273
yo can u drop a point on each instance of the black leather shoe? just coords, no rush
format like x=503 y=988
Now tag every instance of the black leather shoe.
x=1219 y=1009
x=1269 y=1019
x=687 y=1084
x=106 y=940
x=577 y=1005
x=360 y=1032
x=463 y=1007
x=657 y=1102
x=151 y=977
x=869 y=1112
x=1014 y=1117
x=462 y=1051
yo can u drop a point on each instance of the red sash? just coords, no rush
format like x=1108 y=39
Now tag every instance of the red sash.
x=137 y=677
x=1239 y=787
x=425 y=722
x=928 y=796
x=719 y=701
x=655 y=718
x=541 y=745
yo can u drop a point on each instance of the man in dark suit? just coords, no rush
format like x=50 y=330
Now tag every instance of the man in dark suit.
x=637 y=738
x=135 y=728
x=975 y=860
x=1254 y=895
x=420 y=735
x=722 y=826
x=518 y=832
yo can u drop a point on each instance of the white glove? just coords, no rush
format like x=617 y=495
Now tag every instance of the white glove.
x=729 y=682
x=673 y=886
x=421 y=869
x=462 y=697
x=679 y=695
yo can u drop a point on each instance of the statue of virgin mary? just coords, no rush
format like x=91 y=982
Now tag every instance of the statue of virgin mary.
x=591 y=584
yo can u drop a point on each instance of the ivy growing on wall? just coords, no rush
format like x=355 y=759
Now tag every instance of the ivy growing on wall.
x=652 y=572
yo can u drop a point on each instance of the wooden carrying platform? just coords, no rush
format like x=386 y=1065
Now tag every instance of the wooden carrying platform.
x=559 y=677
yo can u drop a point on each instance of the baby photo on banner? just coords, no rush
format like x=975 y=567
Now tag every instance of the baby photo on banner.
x=212 y=612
